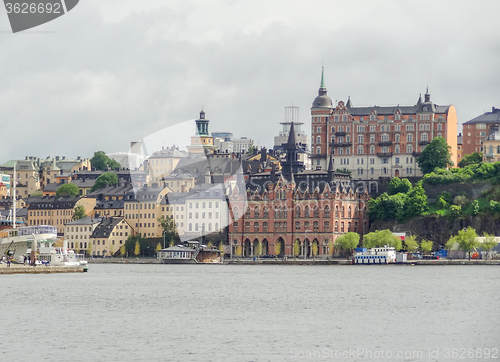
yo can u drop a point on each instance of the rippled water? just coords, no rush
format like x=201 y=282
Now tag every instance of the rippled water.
x=249 y=313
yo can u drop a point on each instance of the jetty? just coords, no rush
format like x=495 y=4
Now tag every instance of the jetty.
x=39 y=269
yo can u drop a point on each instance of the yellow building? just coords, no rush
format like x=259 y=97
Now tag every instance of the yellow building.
x=56 y=211
x=79 y=232
x=179 y=182
x=142 y=209
x=109 y=236
x=163 y=162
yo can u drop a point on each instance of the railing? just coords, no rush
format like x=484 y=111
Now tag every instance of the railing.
x=340 y=144
x=385 y=143
x=423 y=142
x=386 y=154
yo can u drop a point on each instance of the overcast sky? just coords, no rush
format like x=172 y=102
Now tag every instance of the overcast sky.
x=114 y=71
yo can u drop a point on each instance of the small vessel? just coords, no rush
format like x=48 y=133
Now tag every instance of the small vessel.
x=55 y=256
x=190 y=252
x=381 y=255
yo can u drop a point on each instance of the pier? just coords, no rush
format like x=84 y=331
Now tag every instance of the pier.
x=40 y=269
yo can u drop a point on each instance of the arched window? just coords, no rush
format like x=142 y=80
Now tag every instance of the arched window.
x=318 y=150
x=316 y=226
x=297 y=226
x=348 y=139
x=327 y=226
x=209 y=226
x=327 y=211
x=235 y=213
x=424 y=137
x=336 y=226
x=247 y=212
x=409 y=137
x=342 y=227
x=216 y=226
x=306 y=226
x=384 y=137
x=195 y=227
x=266 y=212
x=349 y=210
x=372 y=149
x=360 y=150
x=372 y=138
x=409 y=148
x=306 y=211
x=256 y=212
x=318 y=139
x=285 y=212
x=297 y=211
x=396 y=149
x=190 y=227
x=348 y=226
x=276 y=215
x=337 y=212
x=361 y=138
x=397 y=138
x=316 y=211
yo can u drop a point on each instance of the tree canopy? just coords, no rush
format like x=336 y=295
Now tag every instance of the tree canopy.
x=101 y=162
x=426 y=246
x=382 y=238
x=411 y=243
x=471 y=159
x=397 y=185
x=67 y=190
x=79 y=212
x=106 y=179
x=169 y=230
x=466 y=240
x=435 y=155
x=488 y=243
x=348 y=242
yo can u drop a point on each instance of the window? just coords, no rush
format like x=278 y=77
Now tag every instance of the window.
x=396 y=160
x=360 y=128
x=256 y=212
x=439 y=127
x=360 y=150
x=397 y=117
x=396 y=149
x=397 y=138
x=385 y=149
x=384 y=137
x=344 y=118
x=424 y=137
x=327 y=226
x=372 y=149
x=306 y=211
x=360 y=171
x=372 y=161
x=318 y=139
x=316 y=211
x=372 y=170
x=409 y=137
x=348 y=139
x=409 y=148
x=318 y=130
x=409 y=127
x=333 y=129
x=318 y=150
x=424 y=117
x=361 y=138
x=397 y=128
x=441 y=135
x=372 y=117
x=256 y=227
x=266 y=213
x=327 y=209
x=372 y=138
x=409 y=170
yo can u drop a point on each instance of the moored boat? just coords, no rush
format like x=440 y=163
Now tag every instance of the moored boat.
x=191 y=252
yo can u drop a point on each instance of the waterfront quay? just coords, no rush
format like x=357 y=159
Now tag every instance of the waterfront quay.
x=41 y=269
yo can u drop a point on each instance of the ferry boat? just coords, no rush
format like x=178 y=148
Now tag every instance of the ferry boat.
x=381 y=255
x=17 y=242
x=191 y=252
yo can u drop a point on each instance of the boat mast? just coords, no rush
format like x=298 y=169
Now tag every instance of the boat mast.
x=14 y=197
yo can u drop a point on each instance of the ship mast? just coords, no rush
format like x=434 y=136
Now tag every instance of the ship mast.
x=14 y=204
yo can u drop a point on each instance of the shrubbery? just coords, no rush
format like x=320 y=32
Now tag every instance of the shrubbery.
x=473 y=172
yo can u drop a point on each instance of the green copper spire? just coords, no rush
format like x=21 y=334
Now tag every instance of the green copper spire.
x=322 y=78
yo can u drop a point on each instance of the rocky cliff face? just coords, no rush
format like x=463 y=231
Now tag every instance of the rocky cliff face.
x=440 y=229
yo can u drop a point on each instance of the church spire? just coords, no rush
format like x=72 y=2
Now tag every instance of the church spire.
x=322 y=87
x=291 y=144
x=427 y=95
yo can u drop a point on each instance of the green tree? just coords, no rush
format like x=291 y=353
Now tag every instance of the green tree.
x=106 y=179
x=426 y=246
x=89 y=249
x=67 y=190
x=416 y=202
x=467 y=240
x=79 y=212
x=455 y=211
x=169 y=230
x=460 y=200
x=122 y=250
x=397 y=185
x=450 y=244
x=380 y=238
x=252 y=148
x=435 y=155
x=348 y=242
x=441 y=203
x=137 y=249
x=475 y=207
x=296 y=248
x=158 y=248
x=411 y=244
x=488 y=243
x=101 y=162
x=473 y=158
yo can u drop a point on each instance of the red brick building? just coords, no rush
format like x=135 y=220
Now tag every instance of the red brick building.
x=477 y=129
x=293 y=212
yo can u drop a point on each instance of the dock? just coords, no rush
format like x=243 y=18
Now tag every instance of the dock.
x=40 y=269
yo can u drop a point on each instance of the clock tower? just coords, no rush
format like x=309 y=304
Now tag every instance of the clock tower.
x=201 y=143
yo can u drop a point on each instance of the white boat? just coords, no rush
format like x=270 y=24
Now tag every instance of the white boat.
x=17 y=242
x=382 y=255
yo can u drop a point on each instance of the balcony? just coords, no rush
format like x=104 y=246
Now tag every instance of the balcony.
x=423 y=143
x=340 y=144
x=341 y=133
x=416 y=154
x=385 y=143
x=387 y=154
x=321 y=155
x=489 y=155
